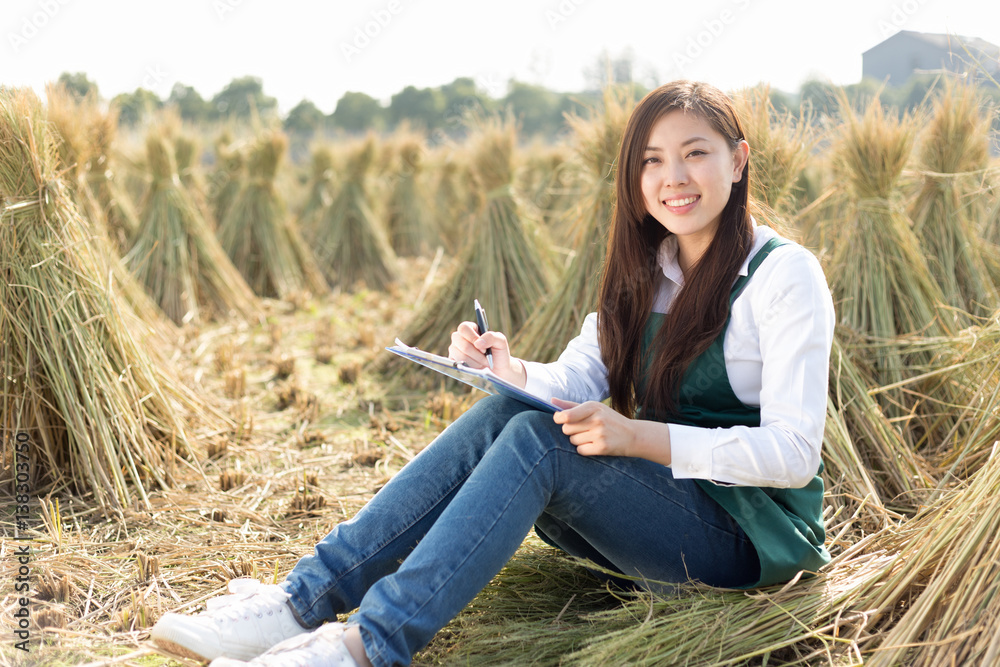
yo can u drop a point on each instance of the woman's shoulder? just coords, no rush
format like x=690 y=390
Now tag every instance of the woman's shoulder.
x=790 y=273
x=791 y=255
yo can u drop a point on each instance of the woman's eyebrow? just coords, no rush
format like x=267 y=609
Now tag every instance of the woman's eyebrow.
x=683 y=143
x=692 y=140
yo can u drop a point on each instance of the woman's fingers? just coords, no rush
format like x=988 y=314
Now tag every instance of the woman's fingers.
x=469 y=347
x=594 y=428
x=463 y=347
x=563 y=404
x=496 y=343
x=574 y=412
x=468 y=330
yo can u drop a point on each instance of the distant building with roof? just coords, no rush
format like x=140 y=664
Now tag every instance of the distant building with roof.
x=907 y=53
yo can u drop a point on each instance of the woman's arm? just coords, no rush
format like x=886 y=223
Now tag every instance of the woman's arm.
x=785 y=318
x=578 y=375
x=789 y=317
x=597 y=430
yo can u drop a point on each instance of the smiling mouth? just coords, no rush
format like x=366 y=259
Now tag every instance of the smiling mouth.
x=675 y=203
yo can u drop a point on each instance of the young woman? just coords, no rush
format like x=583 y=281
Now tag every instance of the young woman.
x=712 y=340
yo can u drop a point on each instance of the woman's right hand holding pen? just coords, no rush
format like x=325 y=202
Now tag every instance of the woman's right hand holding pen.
x=470 y=348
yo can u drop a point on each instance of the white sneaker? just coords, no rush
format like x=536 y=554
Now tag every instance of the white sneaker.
x=244 y=624
x=323 y=647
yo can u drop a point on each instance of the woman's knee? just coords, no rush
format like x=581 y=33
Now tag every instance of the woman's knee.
x=535 y=431
x=495 y=409
x=478 y=428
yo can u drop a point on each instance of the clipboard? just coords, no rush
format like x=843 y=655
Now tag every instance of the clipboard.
x=482 y=379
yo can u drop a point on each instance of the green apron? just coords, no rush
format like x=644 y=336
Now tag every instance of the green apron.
x=785 y=525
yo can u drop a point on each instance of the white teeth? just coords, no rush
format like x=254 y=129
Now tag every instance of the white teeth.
x=680 y=202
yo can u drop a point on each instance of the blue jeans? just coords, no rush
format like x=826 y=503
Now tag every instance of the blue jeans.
x=439 y=531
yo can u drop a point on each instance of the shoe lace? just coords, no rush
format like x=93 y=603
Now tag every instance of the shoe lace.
x=246 y=596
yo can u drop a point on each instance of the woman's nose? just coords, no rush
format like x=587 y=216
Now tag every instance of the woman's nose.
x=674 y=174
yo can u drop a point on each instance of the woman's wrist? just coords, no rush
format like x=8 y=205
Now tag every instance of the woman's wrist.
x=651 y=441
x=517 y=374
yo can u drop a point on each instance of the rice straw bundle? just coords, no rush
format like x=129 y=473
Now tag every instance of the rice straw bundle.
x=80 y=132
x=176 y=255
x=559 y=318
x=814 y=621
x=503 y=262
x=945 y=581
x=228 y=177
x=321 y=186
x=845 y=475
x=350 y=245
x=409 y=222
x=780 y=145
x=187 y=152
x=923 y=592
x=878 y=272
x=451 y=205
x=900 y=476
x=547 y=181
x=956 y=397
x=116 y=205
x=87 y=132
x=258 y=235
x=953 y=158
x=989 y=227
x=69 y=118
x=79 y=372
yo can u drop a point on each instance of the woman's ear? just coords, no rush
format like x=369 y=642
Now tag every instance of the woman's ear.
x=740 y=156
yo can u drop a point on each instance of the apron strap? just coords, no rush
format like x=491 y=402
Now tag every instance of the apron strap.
x=761 y=255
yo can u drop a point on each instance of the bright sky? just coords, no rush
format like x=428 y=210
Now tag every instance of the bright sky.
x=319 y=50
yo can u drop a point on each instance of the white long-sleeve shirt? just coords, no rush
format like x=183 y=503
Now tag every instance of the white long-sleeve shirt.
x=777 y=353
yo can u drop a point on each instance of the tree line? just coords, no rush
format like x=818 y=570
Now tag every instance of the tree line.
x=540 y=111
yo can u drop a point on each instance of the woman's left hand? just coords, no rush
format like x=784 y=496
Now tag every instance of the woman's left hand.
x=595 y=428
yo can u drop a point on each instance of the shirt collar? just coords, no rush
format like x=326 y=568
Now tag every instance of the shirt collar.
x=666 y=256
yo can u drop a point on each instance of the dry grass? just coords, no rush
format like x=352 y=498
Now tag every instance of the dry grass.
x=305 y=434
x=288 y=476
x=83 y=374
x=275 y=480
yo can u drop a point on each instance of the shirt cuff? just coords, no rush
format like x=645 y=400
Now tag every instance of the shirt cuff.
x=538 y=381
x=691 y=450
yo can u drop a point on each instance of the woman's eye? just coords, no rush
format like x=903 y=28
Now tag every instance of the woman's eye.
x=651 y=160
x=696 y=153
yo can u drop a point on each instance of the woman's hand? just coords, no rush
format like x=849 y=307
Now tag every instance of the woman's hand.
x=595 y=428
x=469 y=347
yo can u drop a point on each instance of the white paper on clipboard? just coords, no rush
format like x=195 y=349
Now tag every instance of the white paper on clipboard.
x=481 y=378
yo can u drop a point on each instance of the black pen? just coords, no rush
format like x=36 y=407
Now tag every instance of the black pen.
x=483 y=328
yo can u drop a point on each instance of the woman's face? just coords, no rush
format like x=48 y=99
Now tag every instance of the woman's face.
x=688 y=171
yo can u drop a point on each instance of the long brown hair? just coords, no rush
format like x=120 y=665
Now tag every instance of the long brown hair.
x=628 y=283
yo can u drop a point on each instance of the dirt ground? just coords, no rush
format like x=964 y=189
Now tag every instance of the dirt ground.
x=316 y=435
